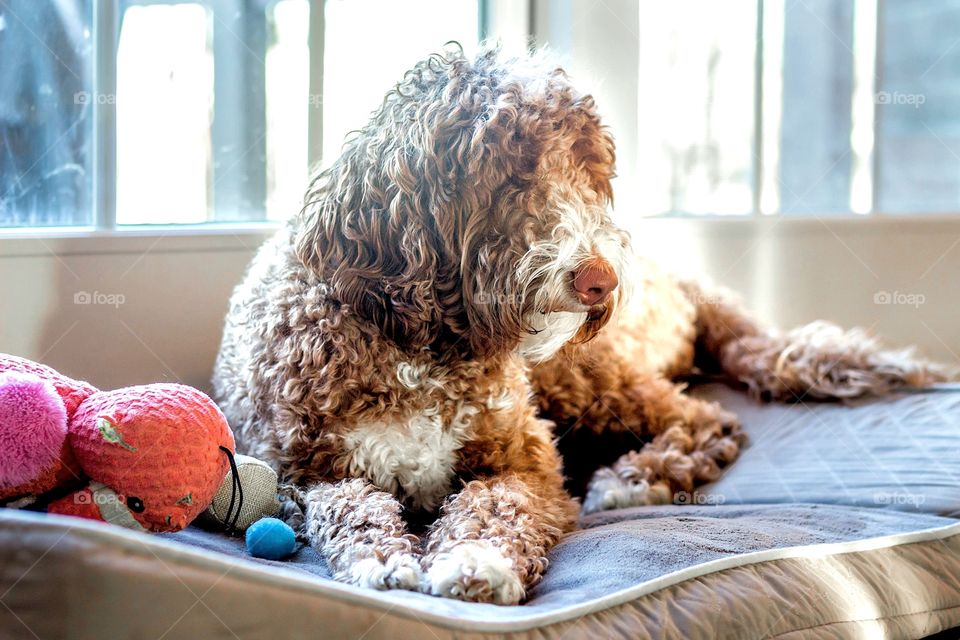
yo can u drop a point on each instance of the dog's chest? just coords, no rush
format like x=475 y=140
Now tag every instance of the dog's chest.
x=414 y=458
x=415 y=455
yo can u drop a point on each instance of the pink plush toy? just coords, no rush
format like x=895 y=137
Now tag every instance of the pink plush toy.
x=149 y=457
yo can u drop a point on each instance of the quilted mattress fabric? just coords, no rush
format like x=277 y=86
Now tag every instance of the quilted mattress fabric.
x=901 y=452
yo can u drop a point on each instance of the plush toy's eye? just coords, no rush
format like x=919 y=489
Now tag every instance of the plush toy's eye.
x=135 y=504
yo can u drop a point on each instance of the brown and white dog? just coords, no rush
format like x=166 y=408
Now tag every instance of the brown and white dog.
x=407 y=344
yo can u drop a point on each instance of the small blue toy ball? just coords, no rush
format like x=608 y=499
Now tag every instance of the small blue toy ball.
x=271 y=539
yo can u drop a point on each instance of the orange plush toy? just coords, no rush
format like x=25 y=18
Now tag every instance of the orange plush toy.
x=149 y=458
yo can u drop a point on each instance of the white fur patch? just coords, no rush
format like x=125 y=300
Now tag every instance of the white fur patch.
x=608 y=492
x=399 y=571
x=413 y=376
x=413 y=459
x=472 y=567
x=581 y=232
x=500 y=401
x=553 y=330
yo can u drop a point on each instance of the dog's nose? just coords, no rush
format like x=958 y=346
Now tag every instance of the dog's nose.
x=594 y=281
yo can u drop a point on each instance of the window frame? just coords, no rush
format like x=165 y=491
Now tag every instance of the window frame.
x=498 y=18
x=235 y=184
x=494 y=15
x=233 y=131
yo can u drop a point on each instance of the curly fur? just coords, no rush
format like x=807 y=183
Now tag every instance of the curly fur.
x=410 y=346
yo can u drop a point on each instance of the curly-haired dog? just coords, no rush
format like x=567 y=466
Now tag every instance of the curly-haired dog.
x=406 y=345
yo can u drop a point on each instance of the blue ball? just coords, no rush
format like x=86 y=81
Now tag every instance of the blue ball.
x=271 y=539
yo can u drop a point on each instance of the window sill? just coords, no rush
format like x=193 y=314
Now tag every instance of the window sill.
x=807 y=224
x=59 y=241
x=232 y=237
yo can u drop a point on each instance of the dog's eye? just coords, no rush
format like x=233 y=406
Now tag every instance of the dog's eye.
x=135 y=504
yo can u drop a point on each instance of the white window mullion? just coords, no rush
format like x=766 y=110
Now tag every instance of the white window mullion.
x=758 y=61
x=864 y=105
x=509 y=22
x=106 y=26
x=315 y=103
x=771 y=98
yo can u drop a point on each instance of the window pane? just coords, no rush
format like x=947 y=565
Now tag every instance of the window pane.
x=369 y=46
x=164 y=112
x=858 y=109
x=862 y=107
x=815 y=157
x=211 y=110
x=46 y=119
x=695 y=124
x=288 y=89
x=918 y=133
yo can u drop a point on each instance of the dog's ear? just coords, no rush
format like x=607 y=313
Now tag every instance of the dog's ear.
x=382 y=225
x=364 y=236
x=492 y=302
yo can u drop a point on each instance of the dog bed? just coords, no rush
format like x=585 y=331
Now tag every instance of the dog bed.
x=836 y=522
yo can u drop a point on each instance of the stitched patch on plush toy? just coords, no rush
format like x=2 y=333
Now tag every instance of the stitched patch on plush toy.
x=109 y=433
x=187 y=499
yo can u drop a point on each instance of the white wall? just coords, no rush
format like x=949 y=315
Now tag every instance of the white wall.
x=791 y=271
x=166 y=326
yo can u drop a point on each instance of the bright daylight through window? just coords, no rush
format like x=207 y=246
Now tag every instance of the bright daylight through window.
x=823 y=107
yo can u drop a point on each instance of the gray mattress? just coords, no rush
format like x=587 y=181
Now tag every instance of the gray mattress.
x=836 y=522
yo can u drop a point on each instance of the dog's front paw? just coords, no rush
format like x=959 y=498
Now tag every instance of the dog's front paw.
x=398 y=571
x=609 y=491
x=473 y=571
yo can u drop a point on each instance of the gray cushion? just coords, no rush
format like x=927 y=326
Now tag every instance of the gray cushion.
x=899 y=453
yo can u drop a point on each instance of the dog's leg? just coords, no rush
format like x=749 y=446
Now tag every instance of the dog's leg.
x=491 y=540
x=607 y=398
x=692 y=441
x=818 y=361
x=359 y=531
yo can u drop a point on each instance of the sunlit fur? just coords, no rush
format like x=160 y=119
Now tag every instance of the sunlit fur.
x=616 y=401
x=411 y=344
x=581 y=233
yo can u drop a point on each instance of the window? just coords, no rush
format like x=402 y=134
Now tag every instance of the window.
x=46 y=155
x=694 y=134
x=130 y=112
x=209 y=111
x=810 y=107
x=165 y=115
